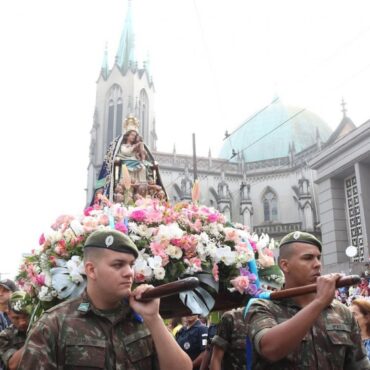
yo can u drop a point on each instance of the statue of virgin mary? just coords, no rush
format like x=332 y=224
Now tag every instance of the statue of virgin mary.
x=129 y=168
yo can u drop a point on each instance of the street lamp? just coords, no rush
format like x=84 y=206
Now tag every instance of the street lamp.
x=351 y=252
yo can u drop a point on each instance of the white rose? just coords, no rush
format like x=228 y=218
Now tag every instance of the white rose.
x=226 y=255
x=155 y=262
x=174 y=252
x=159 y=273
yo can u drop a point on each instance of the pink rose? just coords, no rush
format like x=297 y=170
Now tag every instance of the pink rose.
x=120 y=226
x=240 y=283
x=138 y=215
x=196 y=262
x=42 y=239
x=213 y=217
x=40 y=279
x=157 y=249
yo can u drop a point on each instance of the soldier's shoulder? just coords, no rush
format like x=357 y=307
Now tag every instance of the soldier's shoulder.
x=67 y=306
x=264 y=304
x=341 y=309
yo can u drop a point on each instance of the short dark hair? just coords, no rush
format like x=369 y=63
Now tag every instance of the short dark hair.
x=285 y=251
x=92 y=254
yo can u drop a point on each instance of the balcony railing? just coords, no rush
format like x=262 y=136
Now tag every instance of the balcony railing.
x=273 y=229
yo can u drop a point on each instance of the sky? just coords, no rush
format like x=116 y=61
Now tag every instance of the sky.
x=214 y=63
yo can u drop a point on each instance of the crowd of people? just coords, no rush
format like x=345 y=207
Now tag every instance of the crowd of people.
x=108 y=327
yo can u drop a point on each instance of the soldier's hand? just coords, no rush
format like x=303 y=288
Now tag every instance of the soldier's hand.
x=145 y=309
x=326 y=288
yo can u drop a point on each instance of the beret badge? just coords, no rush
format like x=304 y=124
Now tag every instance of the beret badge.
x=109 y=240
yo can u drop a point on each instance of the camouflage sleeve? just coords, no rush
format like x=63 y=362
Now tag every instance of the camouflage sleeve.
x=6 y=350
x=260 y=318
x=40 y=347
x=356 y=357
x=225 y=328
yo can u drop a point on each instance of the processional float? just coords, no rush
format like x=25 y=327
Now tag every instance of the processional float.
x=197 y=260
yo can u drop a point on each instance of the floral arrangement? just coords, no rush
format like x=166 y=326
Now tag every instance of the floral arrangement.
x=173 y=241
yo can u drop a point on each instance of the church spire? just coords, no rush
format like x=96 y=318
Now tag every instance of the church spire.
x=126 y=48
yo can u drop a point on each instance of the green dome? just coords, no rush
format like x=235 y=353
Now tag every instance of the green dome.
x=261 y=137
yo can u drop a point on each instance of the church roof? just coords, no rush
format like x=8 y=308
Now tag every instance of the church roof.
x=344 y=127
x=271 y=132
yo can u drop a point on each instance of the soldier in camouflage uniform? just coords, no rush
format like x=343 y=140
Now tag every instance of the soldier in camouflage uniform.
x=13 y=337
x=312 y=331
x=102 y=329
x=229 y=342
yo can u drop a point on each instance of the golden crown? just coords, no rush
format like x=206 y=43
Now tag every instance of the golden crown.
x=131 y=123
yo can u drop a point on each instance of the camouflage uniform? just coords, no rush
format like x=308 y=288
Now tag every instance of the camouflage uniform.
x=334 y=341
x=75 y=335
x=11 y=340
x=231 y=337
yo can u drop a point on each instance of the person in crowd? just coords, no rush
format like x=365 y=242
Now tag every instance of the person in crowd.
x=107 y=327
x=364 y=287
x=361 y=310
x=229 y=342
x=312 y=331
x=193 y=339
x=175 y=325
x=13 y=337
x=212 y=330
x=7 y=287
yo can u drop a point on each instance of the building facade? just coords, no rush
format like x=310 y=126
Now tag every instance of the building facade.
x=343 y=178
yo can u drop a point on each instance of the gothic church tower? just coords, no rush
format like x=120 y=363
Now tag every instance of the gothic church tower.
x=122 y=90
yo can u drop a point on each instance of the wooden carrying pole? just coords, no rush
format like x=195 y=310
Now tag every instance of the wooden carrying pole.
x=190 y=283
x=168 y=289
x=311 y=288
x=172 y=306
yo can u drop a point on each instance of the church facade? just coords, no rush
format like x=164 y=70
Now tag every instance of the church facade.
x=261 y=177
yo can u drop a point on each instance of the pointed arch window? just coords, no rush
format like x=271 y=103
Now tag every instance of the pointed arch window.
x=115 y=113
x=270 y=210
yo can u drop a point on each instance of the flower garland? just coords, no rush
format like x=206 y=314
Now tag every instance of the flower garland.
x=173 y=242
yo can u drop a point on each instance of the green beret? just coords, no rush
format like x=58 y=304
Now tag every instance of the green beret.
x=112 y=239
x=300 y=237
x=20 y=302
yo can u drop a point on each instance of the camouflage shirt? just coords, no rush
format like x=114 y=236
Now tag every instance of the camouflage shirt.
x=11 y=340
x=333 y=343
x=75 y=335
x=231 y=336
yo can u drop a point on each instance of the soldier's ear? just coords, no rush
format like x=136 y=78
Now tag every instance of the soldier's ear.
x=284 y=265
x=90 y=270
